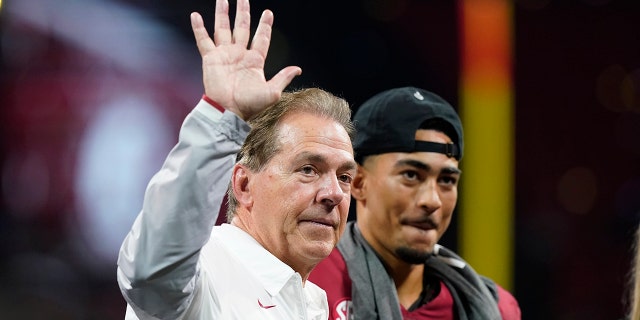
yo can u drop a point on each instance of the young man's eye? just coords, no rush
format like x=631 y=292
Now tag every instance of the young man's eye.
x=410 y=175
x=448 y=180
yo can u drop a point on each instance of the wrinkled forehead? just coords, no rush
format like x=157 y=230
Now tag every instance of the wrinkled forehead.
x=303 y=126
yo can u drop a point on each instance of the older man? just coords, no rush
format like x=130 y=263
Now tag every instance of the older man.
x=289 y=194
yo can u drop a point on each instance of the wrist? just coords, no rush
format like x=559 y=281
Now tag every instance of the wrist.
x=213 y=103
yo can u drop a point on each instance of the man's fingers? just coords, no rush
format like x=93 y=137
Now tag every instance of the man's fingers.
x=262 y=38
x=241 y=29
x=283 y=78
x=203 y=41
x=222 y=27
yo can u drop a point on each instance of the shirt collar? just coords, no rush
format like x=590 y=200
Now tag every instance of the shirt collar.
x=270 y=271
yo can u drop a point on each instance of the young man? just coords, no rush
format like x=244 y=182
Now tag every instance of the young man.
x=289 y=194
x=388 y=265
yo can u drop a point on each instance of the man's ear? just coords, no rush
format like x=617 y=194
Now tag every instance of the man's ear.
x=359 y=184
x=241 y=187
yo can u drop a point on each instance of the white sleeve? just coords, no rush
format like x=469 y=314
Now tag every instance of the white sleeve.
x=158 y=261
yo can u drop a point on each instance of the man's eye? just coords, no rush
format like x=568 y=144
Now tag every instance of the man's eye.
x=307 y=170
x=410 y=175
x=345 y=178
x=448 y=180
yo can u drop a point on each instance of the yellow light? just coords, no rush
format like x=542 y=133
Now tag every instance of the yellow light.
x=486 y=200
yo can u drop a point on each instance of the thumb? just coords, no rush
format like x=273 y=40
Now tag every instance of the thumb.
x=283 y=78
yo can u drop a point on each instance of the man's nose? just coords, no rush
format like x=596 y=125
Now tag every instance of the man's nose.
x=429 y=197
x=330 y=193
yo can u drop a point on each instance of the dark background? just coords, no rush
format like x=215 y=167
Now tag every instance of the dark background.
x=92 y=94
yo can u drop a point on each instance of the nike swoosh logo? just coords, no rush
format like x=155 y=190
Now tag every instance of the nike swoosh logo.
x=263 y=306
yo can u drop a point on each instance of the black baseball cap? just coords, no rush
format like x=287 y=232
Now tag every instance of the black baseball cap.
x=388 y=122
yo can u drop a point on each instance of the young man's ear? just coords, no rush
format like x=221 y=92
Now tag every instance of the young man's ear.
x=240 y=185
x=358 y=185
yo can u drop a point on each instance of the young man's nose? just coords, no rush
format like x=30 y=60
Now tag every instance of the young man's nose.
x=429 y=197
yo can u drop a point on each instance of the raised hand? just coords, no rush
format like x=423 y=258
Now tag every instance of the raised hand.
x=233 y=73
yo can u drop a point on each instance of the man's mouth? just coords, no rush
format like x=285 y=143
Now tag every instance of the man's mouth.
x=423 y=224
x=322 y=222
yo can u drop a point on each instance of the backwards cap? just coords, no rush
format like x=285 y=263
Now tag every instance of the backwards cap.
x=388 y=122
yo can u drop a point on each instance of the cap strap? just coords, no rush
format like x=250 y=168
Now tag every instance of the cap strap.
x=449 y=149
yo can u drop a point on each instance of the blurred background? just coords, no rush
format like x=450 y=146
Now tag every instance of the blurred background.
x=92 y=94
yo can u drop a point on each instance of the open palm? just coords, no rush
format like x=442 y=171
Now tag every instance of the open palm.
x=233 y=74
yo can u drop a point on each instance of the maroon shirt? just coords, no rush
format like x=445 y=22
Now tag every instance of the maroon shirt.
x=332 y=275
